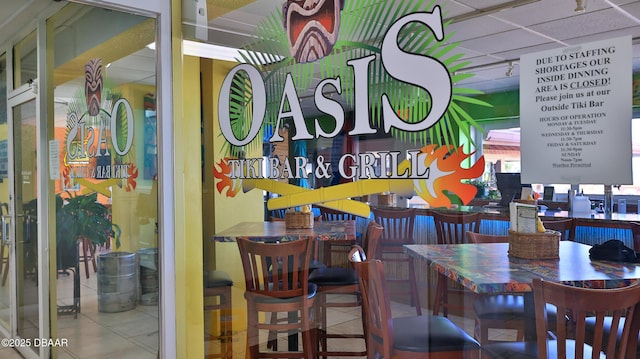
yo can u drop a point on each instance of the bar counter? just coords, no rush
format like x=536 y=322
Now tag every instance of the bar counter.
x=589 y=229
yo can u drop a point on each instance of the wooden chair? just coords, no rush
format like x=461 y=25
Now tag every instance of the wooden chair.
x=570 y=342
x=277 y=214
x=398 y=230
x=496 y=310
x=276 y=277
x=563 y=225
x=217 y=296
x=88 y=254
x=635 y=233
x=591 y=321
x=339 y=280
x=451 y=229
x=473 y=237
x=329 y=248
x=406 y=337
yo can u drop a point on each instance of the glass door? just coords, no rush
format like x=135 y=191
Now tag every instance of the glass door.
x=19 y=227
x=5 y=280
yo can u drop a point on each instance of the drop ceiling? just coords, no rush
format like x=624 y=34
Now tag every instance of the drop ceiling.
x=491 y=33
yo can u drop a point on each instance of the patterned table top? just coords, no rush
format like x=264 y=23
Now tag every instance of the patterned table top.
x=486 y=268
x=322 y=230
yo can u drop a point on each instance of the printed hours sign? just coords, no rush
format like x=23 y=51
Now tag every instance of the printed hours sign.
x=575 y=114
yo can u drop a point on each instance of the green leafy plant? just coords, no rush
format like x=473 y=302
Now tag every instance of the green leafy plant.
x=82 y=216
x=481 y=187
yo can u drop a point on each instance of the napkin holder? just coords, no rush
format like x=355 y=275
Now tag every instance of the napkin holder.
x=538 y=245
x=298 y=220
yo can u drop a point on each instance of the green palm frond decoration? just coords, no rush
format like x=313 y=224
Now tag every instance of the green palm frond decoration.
x=363 y=25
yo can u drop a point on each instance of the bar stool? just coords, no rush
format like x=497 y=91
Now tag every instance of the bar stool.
x=88 y=254
x=217 y=289
x=277 y=281
x=339 y=280
x=398 y=230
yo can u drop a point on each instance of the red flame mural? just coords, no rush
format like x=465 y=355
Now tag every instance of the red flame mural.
x=131 y=178
x=222 y=172
x=445 y=174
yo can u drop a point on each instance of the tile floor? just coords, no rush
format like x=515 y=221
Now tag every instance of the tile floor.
x=130 y=334
x=134 y=333
x=348 y=320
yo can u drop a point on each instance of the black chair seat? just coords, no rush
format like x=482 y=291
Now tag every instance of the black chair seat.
x=498 y=306
x=526 y=350
x=591 y=322
x=334 y=276
x=425 y=334
x=316 y=264
x=217 y=278
x=312 y=291
x=502 y=306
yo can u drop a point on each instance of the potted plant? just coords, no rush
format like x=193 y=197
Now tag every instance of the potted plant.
x=481 y=187
x=81 y=217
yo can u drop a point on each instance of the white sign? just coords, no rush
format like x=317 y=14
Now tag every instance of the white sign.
x=54 y=160
x=575 y=114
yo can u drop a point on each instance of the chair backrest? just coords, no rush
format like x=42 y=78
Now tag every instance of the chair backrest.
x=635 y=232
x=473 y=237
x=565 y=226
x=357 y=254
x=582 y=303
x=398 y=225
x=372 y=239
x=451 y=227
x=277 y=214
x=329 y=214
x=376 y=306
x=277 y=270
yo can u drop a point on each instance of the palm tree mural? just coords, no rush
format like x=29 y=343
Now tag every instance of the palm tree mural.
x=362 y=26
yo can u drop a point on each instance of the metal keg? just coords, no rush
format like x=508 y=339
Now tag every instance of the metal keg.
x=117 y=282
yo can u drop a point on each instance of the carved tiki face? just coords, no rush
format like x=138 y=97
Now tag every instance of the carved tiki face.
x=93 y=85
x=312 y=27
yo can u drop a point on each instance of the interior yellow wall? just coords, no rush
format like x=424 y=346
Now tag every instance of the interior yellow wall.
x=135 y=212
x=187 y=184
x=221 y=212
x=229 y=211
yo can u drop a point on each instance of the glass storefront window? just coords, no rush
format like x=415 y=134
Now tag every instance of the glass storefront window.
x=24 y=60
x=106 y=223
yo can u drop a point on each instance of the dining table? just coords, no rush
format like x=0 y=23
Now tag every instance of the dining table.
x=488 y=268
x=339 y=232
x=322 y=230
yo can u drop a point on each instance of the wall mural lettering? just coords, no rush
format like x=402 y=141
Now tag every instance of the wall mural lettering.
x=401 y=84
x=99 y=138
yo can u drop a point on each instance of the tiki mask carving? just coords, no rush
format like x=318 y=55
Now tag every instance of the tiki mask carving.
x=312 y=27
x=93 y=85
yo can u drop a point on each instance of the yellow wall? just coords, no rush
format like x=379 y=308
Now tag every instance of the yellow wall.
x=187 y=184
x=244 y=206
x=135 y=211
x=221 y=212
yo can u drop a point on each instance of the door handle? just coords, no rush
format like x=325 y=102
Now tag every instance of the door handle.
x=5 y=230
